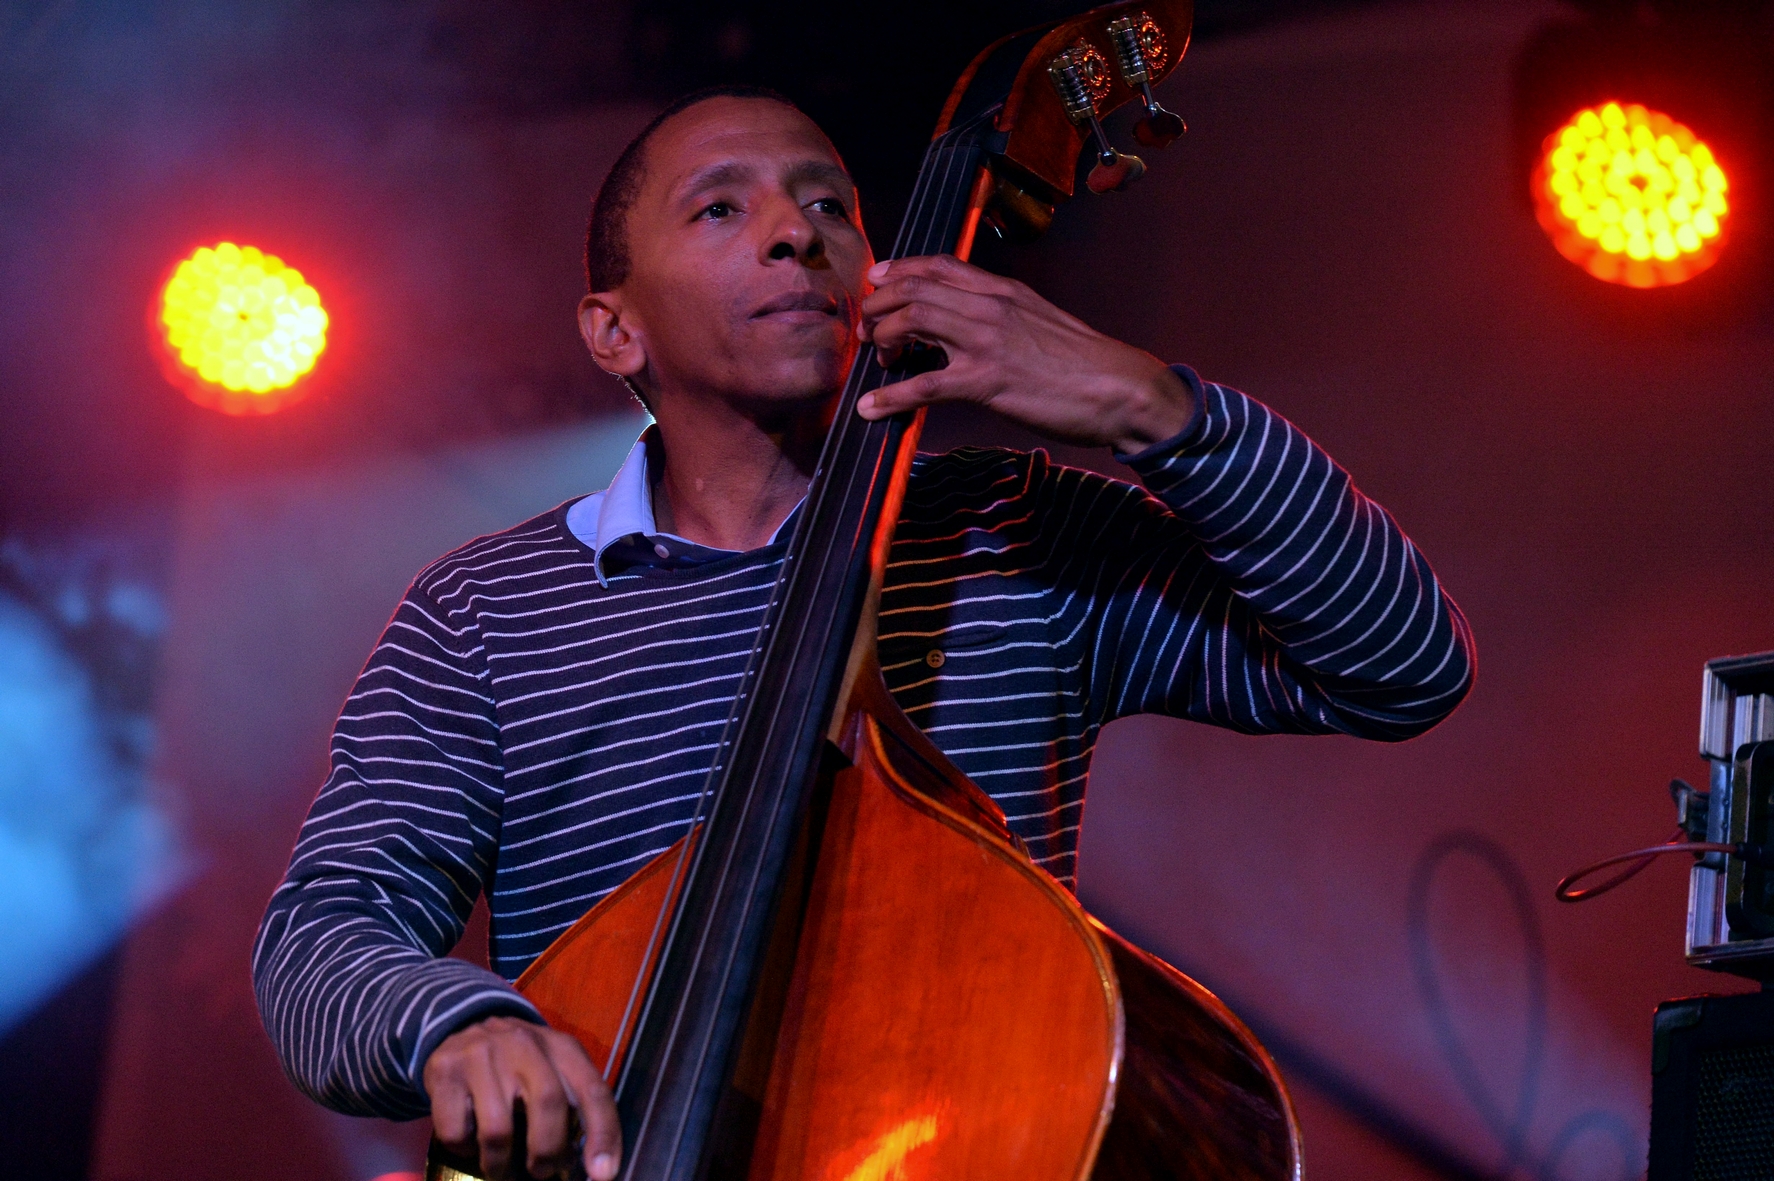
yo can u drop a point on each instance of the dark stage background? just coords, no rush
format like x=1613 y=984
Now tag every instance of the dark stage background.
x=185 y=599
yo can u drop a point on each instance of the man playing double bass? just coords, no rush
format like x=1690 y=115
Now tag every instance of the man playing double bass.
x=539 y=716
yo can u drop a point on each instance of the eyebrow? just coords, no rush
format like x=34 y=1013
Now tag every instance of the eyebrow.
x=732 y=171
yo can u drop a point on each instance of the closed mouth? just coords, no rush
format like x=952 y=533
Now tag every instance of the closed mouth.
x=799 y=301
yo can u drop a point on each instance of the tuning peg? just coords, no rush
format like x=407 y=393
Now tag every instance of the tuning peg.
x=1159 y=128
x=1114 y=171
x=1072 y=73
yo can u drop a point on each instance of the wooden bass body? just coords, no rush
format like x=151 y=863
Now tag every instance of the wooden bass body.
x=937 y=1006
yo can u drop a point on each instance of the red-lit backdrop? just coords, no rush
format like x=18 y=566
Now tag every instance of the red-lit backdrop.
x=1344 y=233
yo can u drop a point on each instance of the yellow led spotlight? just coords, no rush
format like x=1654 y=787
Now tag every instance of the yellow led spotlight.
x=243 y=327
x=1631 y=196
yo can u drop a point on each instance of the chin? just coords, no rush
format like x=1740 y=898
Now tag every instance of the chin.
x=791 y=391
x=800 y=390
x=812 y=377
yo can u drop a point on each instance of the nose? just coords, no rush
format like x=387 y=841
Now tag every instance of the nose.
x=792 y=236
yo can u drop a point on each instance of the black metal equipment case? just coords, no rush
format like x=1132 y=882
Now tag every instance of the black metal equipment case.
x=1712 y=1089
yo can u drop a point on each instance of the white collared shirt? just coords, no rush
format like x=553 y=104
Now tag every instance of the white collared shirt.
x=625 y=509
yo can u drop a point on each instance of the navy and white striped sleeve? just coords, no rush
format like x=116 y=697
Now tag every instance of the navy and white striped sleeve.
x=1266 y=594
x=394 y=852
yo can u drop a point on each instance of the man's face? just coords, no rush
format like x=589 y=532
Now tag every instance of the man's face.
x=747 y=258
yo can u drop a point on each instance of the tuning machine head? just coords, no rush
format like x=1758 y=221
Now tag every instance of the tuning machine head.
x=1139 y=51
x=1114 y=171
x=1081 y=76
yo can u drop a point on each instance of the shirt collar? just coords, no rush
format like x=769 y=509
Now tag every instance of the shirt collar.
x=625 y=510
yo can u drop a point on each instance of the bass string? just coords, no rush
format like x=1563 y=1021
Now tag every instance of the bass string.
x=870 y=372
x=927 y=227
x=842 y=487
x=849 y=423
x=699 y=811
x=934 y=225
x=928 y=237
x=822 y=492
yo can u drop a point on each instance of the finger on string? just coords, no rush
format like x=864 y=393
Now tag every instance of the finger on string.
x=597 y=1114
x=920 y=292
x=930 y=324
x=545 y=1111
x=492 y=1098
x=922 y=390
x=945 y=268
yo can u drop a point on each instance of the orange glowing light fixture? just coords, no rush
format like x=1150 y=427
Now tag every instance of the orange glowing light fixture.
x=243 y=327
x=1631 y=196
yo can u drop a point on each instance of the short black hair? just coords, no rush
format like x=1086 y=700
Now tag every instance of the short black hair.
x=606 y=236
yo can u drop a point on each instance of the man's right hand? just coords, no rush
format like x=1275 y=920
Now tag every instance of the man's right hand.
x=477 y=1073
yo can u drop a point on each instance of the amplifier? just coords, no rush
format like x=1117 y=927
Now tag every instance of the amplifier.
x=1712 y=1089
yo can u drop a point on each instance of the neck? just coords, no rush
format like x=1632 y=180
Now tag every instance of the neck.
x=729 y=478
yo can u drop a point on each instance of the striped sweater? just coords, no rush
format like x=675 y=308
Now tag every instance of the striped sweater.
x=525 y=731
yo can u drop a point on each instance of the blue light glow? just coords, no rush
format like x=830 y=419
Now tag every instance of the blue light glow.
x=81 y=850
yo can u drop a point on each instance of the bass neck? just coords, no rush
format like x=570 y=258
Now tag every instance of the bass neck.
x=694 y=1010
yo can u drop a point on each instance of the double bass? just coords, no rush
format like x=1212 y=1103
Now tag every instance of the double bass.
x=850 y=969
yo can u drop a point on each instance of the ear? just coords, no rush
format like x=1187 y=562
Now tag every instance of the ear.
x=614 y=345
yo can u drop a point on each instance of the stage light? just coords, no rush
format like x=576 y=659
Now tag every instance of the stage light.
x=243 y=328
x=1631 y=196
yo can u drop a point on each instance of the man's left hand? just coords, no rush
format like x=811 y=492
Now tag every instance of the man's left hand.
x=1013 y=351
